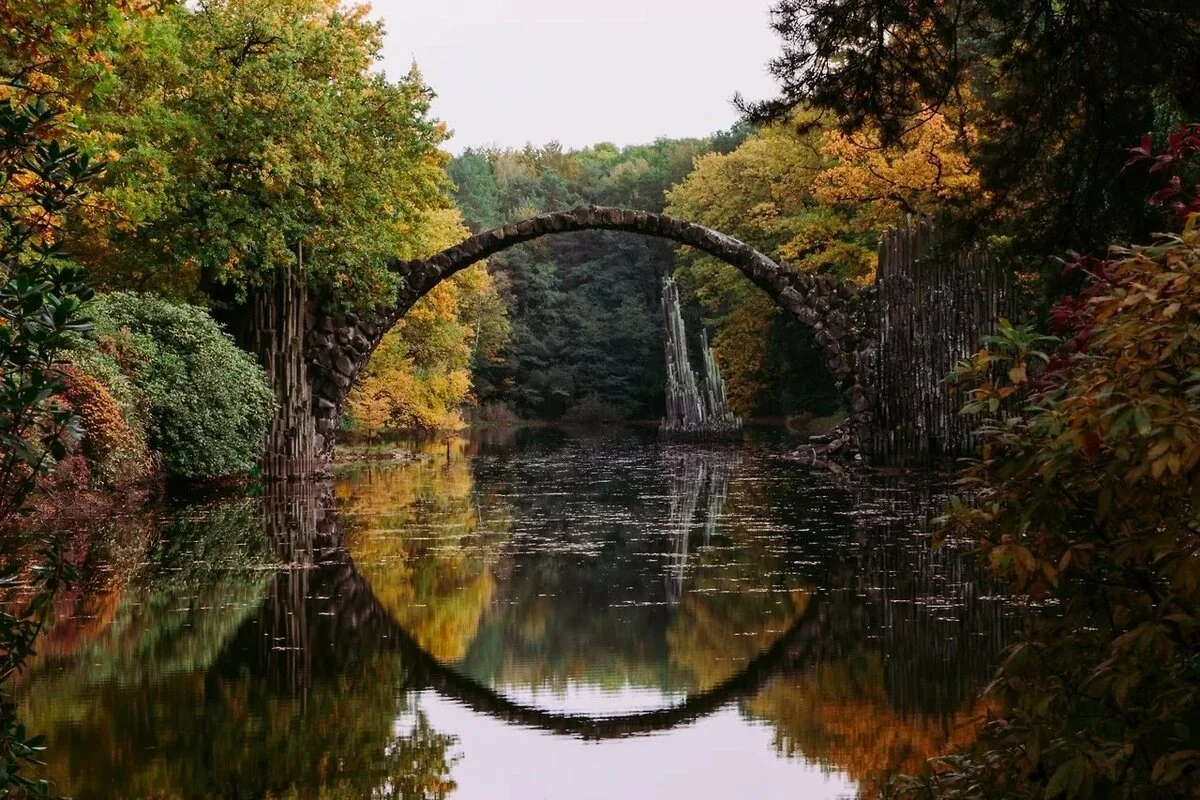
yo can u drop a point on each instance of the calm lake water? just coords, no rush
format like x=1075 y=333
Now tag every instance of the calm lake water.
x=542 y=614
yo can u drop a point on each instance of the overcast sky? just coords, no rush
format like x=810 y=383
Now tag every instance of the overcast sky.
x=509 y=72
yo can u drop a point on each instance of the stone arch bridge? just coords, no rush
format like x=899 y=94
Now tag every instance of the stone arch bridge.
x=888 y=346
x=838 y=313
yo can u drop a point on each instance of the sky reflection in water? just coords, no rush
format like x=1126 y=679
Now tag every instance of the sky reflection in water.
x=542 y=614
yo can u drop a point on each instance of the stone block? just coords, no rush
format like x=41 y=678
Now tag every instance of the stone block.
x=808 y=316
x=471 y=247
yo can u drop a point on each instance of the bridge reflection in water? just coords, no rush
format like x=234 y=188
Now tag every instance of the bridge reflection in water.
x=511 y=580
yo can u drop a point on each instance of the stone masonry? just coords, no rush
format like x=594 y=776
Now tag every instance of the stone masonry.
x=840 y=315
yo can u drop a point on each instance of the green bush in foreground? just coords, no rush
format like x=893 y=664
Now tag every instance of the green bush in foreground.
x=209 y=403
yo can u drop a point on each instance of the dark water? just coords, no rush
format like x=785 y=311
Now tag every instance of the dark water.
x=547 y=615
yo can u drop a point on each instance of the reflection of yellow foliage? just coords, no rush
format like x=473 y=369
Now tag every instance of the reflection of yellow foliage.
x=414 y=533
x=715 y=635
x=848 y=724
x=720 y=627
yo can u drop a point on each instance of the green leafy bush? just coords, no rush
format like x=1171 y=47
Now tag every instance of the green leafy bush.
x=209 y=403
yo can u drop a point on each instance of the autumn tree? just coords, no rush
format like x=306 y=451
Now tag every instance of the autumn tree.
x=248 y=130
x=54 y=57
x=420 y=375
x=63 y=52
x=261 y=165
x=763 y=193
x=1061 y=89
x=438 y=594
x=1086 y=494
x=928 y=170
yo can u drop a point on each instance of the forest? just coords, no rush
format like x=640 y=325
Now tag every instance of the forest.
x=163 y=163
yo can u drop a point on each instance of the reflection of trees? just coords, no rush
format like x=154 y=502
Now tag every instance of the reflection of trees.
x=839 y=715
x=223 y=736
x=589 y=595
x=417 y=533
x=221 y=678
x=580 y=595
x=934 y=613
x=194 y=587
x=232 y=681
x=740 y=597
x=577 y=597
x=904 y=684
x=106 y=557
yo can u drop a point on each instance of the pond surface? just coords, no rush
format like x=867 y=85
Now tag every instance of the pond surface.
x=534 y=615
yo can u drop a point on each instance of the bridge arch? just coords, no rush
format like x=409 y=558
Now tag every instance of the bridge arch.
x=801 y=645
x=805 y=642
x=335 y=608
x=340 y=344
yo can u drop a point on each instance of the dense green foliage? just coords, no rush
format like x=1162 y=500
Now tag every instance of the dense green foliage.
x=584 y=307
x=245 y=129
x=208 y=402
